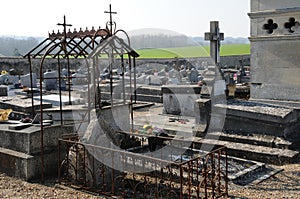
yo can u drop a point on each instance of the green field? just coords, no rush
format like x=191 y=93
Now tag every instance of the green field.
x=193 y=51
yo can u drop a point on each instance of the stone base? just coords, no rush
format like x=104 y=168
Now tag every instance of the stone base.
x=27 y=167
x=244 y=117
x=20 y=150
x=290 y=104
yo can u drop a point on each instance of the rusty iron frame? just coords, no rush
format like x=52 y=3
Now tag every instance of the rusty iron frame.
x=200 y=177
x=66 y=45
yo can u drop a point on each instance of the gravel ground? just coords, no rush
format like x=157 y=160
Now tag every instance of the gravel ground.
x=283 y=185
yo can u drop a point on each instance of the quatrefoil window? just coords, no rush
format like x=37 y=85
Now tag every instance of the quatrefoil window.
x=270 y=26
x=291 y=24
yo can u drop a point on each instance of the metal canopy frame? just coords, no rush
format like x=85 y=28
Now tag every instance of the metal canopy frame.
x=89 y=45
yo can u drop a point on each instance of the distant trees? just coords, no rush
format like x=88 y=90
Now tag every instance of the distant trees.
x=160 y=41
x=16 y=46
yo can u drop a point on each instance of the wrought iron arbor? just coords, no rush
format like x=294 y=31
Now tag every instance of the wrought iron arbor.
x=89 y=46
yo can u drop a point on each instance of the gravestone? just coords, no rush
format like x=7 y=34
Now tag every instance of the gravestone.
x=4 y=79
x=13 y=79
x=25 y=80
x=193 y=75
x=3 y=90
x=275 y=46
x=180 y=99
x=51 y=80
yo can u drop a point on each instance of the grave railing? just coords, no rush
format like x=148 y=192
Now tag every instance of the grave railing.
x=203 y=176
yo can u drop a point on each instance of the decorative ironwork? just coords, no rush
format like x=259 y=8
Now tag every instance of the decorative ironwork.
x=204 y=176
x=88 y=44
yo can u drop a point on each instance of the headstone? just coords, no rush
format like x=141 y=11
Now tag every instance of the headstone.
x=13 y=79
x=215 y=37
x=141 y=79
x=3 y=90
x=275 y=46
x=153 y=80
x=193 y=76
x=64 y=72
x=180 y=99
x=25 y=80
x=4 y=79
x=51 y=80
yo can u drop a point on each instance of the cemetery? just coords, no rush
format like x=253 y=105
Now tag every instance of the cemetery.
x=127 y=128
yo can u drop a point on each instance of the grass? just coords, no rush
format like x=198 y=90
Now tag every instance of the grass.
x=193 y=51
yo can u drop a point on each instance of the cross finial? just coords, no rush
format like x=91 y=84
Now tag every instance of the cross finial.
x=65 y=26
x=110 y=17
x=214 y=36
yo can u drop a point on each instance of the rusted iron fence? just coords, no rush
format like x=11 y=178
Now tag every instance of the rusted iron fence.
x=201 y=177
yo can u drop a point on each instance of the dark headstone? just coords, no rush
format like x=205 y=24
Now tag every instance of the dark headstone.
x=3 y=91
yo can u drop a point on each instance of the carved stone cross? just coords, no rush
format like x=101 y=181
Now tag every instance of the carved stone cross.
x=214 y=36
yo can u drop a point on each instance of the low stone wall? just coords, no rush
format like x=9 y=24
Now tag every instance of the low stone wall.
x=22 y=64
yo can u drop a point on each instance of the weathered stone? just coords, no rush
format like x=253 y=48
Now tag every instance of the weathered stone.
x=274 y=45
x=20 y=150
x=180 y=99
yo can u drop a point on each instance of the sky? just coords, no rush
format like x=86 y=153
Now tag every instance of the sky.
x=189 y=17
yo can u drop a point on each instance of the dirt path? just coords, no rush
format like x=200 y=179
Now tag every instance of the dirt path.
x=283 y=185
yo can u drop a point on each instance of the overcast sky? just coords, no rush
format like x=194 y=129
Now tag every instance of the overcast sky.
x=188 y=17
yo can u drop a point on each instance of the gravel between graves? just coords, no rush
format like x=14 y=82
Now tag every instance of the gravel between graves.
x=283 y=185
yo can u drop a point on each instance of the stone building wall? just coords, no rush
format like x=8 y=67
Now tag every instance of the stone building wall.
x=275 y=47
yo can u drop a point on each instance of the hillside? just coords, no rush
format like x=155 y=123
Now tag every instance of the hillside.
x=193 y=51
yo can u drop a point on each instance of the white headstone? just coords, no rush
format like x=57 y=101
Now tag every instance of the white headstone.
x=51 y=80
x=25 y=80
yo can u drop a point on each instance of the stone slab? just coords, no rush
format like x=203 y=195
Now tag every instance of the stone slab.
x=55 y=99
x=21 y=104
x=244 y=117
x=28 y=140
x=27 y=167
x=256 y=153
x=19 y=126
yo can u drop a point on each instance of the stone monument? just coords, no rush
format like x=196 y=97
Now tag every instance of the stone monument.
x=215 y=37
x=275 y=39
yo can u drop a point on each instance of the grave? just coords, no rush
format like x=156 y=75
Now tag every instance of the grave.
x=26 y=81
x=179 y=99
x=262 y=116
x=3 y=90
x=20 y=154
x=55 y=99
x=51 y=80
x=21 y=106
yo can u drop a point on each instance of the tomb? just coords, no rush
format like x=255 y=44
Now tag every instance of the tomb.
x=26 y=80
x=275 y=39
x=179 y=99
x=261 y=116
x=31 y=149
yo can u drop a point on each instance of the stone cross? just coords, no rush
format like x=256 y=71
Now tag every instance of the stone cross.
x=214 y=36
x=110 y=17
